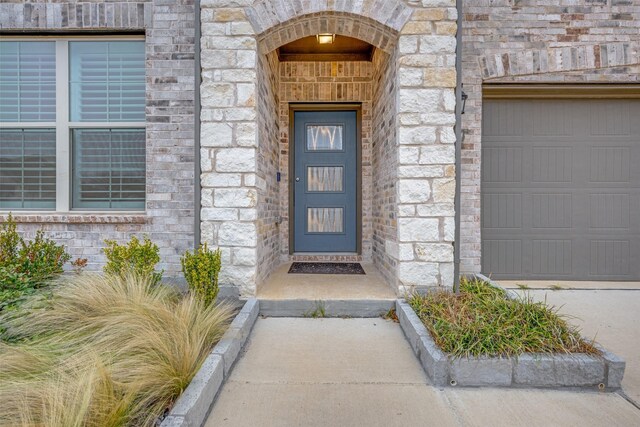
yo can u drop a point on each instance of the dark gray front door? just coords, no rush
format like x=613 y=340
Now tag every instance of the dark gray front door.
x=325 y=181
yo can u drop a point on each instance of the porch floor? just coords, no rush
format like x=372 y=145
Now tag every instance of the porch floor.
x=284 y=286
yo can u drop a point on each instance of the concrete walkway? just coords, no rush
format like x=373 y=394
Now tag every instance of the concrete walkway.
x=362 y=372
x=610 y=316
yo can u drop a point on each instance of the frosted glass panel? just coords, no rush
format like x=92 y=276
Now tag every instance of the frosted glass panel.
x=324 y=178
x=325 y=220
x=324 y=137
x=108 y=168
x=107 y=81
x=27 y=168
x=27 y=81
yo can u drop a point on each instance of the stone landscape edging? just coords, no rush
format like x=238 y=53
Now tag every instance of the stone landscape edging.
x=603 y=372
x=193 y=405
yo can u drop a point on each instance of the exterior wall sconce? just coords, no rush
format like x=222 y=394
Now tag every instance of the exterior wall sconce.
x=326 y=38
x=464 y=97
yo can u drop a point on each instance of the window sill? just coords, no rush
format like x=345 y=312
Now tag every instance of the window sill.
x=78 y=217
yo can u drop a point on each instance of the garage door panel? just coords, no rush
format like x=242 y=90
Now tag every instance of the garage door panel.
x=502 y=210
x=552 y=164
x=550 y=210
x=503 y=255
x=610 y=164
x=551 y=257
x=610 y=257
x=609 y=210
x=550 y=119
x=504 y=164
x=610 y=118
x=504 y=119
x=568 y=205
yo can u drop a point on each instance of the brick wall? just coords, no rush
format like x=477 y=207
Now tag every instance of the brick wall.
x=385 y=165
x=269 y=153
x=535 y=41
x=169 y=30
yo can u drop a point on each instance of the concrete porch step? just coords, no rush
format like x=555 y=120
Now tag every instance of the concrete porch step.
x=359 y=308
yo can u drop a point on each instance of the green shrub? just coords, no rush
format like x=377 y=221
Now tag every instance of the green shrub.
x=26 y=266
x=134 y=257
x=483 y=321
x=201 y=270
x=9 y=242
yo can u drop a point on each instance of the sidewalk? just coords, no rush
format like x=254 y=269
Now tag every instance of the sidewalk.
x=610 y=316
x=362 y=372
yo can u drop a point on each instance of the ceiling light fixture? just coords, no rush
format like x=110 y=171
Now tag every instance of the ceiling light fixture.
x=326 y=38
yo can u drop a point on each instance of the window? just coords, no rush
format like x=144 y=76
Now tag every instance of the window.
x=72 y=131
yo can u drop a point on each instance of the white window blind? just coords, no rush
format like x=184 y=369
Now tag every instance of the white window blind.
x=107 y=81
x=72 y=123
x=27 y=81
x=27 y=168
x=108 y=168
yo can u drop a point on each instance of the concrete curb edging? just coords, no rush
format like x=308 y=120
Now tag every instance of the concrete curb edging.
x=192 y=407
x=602 y=372
x=325 y=308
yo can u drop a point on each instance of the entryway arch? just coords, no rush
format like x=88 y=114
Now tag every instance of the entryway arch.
x=406 y=94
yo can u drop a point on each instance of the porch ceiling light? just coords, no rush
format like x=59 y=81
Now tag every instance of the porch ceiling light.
x=326 y=38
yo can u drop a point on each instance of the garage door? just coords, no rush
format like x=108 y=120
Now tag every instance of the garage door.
x=561 y=189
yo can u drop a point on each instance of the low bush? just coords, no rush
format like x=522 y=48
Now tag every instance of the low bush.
x=201 y=268
x=107 y=350
x=26 y=266
x=482 y=321
x=135 y=257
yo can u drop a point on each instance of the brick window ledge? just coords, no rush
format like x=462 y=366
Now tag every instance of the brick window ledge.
x=77 y=218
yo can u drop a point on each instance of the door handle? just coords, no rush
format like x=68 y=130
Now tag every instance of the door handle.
x=297 y=179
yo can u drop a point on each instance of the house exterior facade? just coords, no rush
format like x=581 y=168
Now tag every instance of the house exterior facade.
x=275 y=154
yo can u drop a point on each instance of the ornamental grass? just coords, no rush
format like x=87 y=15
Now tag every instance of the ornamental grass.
x=104 y=351
x=482 y=321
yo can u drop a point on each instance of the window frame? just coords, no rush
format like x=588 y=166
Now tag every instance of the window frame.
x=63 y=125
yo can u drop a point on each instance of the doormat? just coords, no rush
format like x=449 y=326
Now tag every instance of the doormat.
x=326 y=268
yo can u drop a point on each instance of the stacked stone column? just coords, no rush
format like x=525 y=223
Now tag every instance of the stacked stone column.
x=426 y=77
x=229 y=140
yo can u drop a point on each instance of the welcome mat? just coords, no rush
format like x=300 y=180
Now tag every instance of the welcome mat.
x=326 y=268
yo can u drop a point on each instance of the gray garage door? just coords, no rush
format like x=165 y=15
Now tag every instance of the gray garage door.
x=561 y=189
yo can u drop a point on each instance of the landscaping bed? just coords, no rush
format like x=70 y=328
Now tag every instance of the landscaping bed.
x=486 y=337
x=104 y=350
x=121 y=348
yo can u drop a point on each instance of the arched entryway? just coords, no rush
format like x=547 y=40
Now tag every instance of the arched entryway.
x=403 y=103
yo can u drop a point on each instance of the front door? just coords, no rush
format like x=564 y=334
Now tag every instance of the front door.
x=325 y=181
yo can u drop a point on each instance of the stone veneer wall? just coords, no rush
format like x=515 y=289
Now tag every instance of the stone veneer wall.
x=326 y=82
x=512 y=41
x=420 y=37
x=425 y=120
x=385 y=166
x=169 y=30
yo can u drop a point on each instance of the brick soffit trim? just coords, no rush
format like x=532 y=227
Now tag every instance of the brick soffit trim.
x=558 y=59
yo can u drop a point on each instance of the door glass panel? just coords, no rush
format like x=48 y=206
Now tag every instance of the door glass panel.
x=324 y=178
x=324 y=138
x=324 y=220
